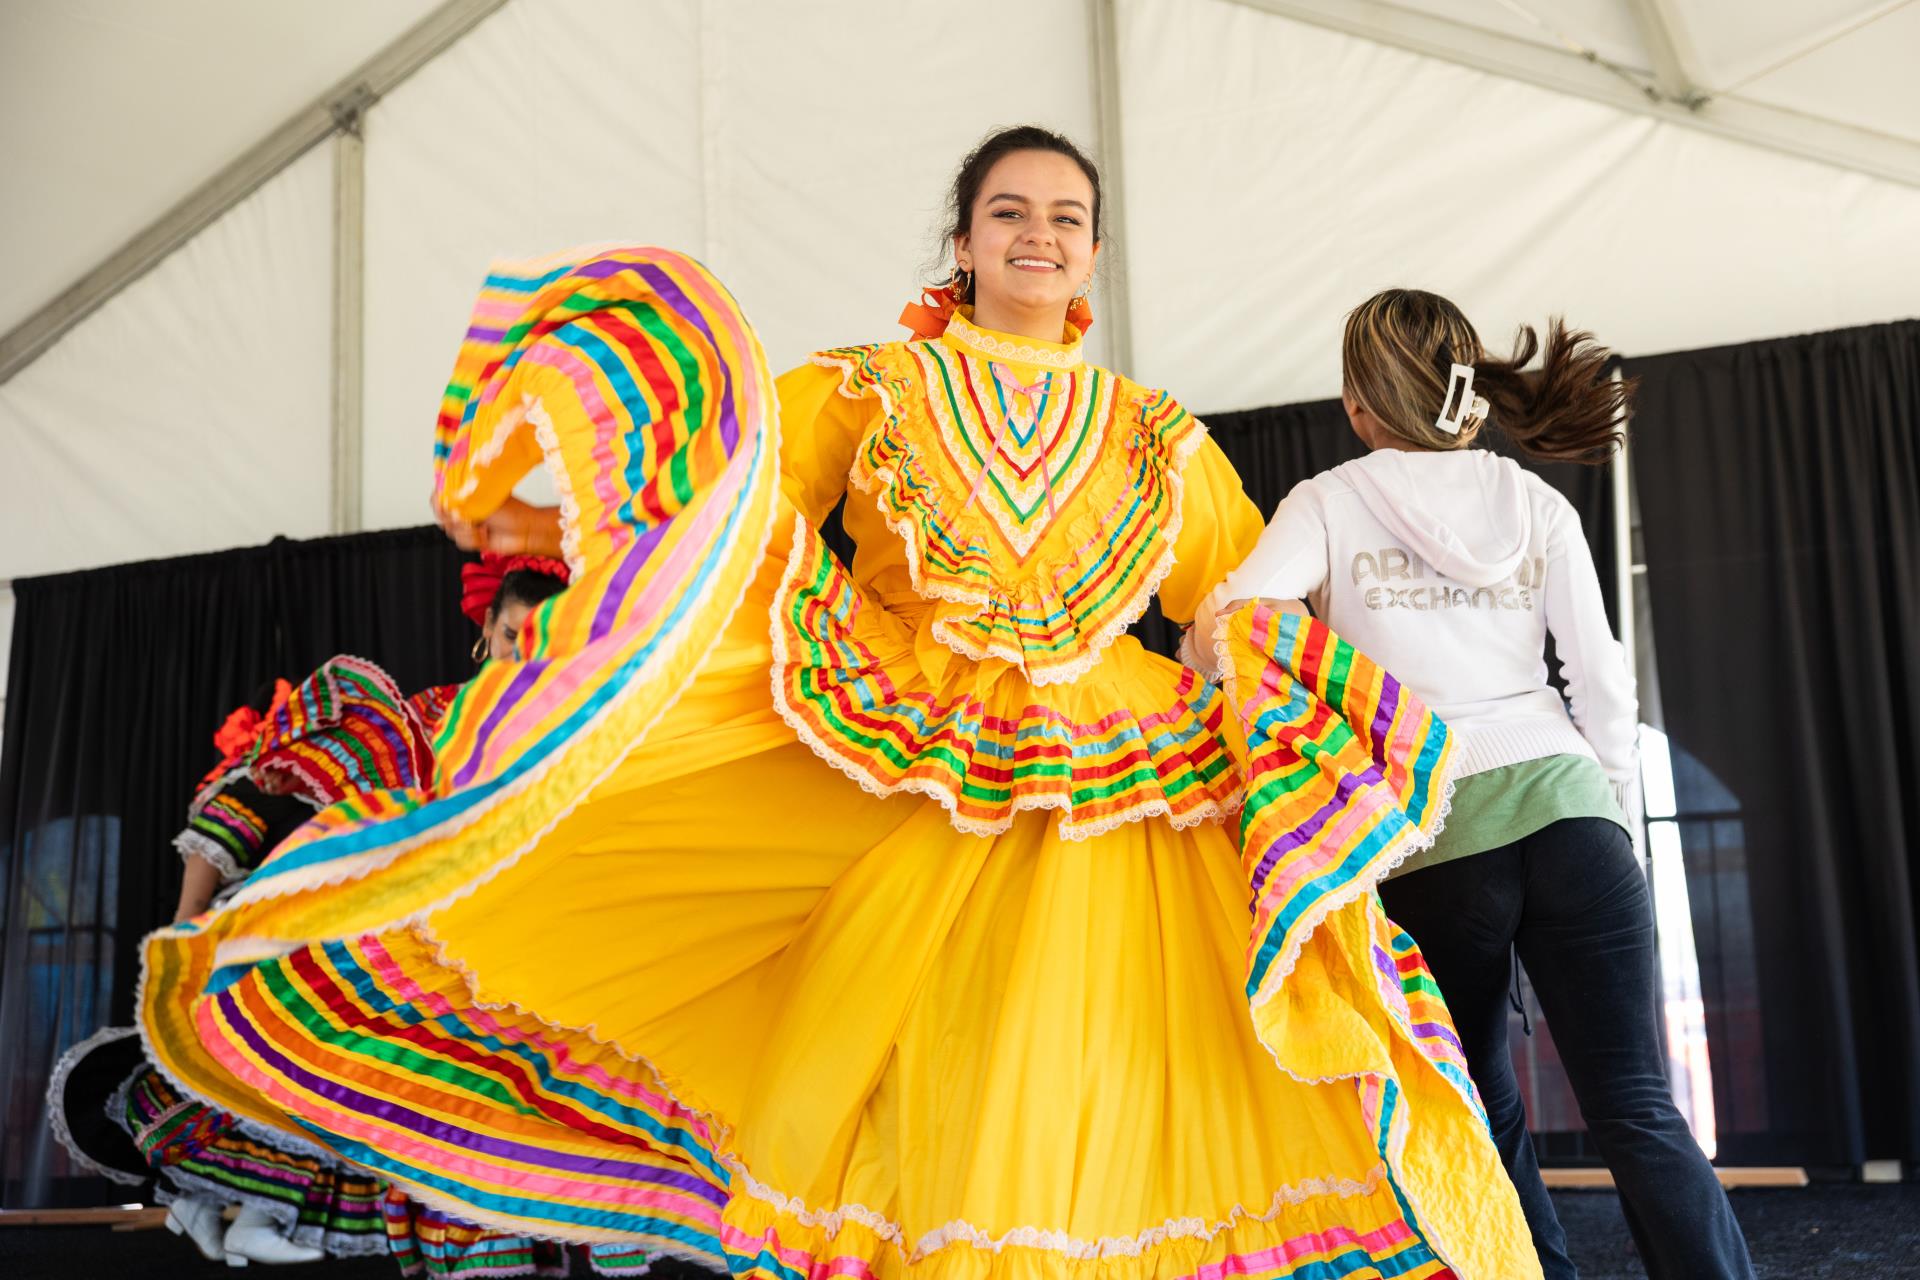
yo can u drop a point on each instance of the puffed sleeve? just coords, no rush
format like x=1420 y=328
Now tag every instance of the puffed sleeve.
x=819 y=429
x=1218 y=527
x=235 y=825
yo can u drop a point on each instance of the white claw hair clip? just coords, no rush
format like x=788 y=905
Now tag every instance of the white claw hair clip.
x=1460 y=396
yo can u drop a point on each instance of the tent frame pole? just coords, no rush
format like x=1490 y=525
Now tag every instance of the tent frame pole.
x=1586 y=75
x=1676 y=66
x=349 y=322
x=1116 y=311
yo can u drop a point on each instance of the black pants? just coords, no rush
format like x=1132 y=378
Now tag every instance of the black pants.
x=1573 y=900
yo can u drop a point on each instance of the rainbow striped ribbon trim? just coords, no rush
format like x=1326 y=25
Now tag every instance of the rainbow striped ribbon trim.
x=1345 y=775
x=650 y=396
x=1081 y=586
x=981 y=760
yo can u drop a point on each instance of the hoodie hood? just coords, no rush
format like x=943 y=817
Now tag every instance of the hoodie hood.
x=1465 y=512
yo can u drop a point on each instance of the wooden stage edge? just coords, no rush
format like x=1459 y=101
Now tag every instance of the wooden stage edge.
x=119 y=1217
x=146 y=1217
x=1731 y=1176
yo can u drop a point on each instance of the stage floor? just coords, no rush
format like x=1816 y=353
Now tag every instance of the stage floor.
x=1859 y=1232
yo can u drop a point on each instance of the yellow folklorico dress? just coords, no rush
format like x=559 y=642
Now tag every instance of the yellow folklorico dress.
x=877 y=920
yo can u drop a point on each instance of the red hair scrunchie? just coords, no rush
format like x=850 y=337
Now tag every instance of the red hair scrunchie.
x=242 y=728
x=480 y=580
x=928 y=317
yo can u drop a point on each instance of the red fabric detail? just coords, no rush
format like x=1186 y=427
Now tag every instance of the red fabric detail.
x=480 y=580
x=928 y=317
x=235 y=737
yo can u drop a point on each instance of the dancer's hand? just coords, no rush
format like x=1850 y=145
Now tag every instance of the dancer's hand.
x=465 y=534
x=1278 y=606
x=517 y=528
x=520 y=528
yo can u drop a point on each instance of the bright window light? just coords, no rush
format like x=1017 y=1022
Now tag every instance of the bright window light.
x=1656 y=773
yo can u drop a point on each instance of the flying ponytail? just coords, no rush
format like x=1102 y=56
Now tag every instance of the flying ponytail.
x=1398 y=352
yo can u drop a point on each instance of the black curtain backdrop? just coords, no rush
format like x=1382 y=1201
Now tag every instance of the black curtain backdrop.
x=1779 y=487
x=118 y=679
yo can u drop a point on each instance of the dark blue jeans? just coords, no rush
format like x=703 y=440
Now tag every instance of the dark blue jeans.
x=1572 y=899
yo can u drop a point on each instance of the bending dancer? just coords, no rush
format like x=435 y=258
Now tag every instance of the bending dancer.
x=120 y=1117
x=287 y=753
x=1452 y=567
x=804 y=918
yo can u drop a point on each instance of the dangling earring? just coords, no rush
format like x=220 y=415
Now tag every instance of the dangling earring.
x=959 y=284
x=1080 y=311
x=480 y=650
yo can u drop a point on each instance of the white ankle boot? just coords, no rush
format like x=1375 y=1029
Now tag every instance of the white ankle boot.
x=253 y=1237
x=198 y=1219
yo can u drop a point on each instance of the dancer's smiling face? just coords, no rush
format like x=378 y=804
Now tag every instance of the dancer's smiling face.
x=502 y=631
x=1029 y=241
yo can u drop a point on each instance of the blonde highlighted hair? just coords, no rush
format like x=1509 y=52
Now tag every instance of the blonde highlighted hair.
x=1401 y=345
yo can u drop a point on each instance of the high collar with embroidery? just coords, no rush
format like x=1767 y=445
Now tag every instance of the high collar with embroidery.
x=989 y=344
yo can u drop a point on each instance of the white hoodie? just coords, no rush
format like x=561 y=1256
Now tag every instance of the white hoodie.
x=1450 y=569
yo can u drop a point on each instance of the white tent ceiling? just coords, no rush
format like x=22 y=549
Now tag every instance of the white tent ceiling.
x=111 y=111
x=1279 y=159
x=1839 y=60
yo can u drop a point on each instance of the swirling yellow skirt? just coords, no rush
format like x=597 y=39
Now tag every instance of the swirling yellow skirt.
x=658 y=974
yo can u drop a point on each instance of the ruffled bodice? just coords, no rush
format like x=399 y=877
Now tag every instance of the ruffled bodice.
x=1015 y=509
x=344 y=730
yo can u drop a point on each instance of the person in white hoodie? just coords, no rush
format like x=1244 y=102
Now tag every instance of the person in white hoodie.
x=1451 y=567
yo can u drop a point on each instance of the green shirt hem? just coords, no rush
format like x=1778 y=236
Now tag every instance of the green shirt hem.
x=1493 y=809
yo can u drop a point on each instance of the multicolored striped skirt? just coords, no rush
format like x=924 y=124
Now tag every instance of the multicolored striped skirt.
x=429 y=1242
x=313 y=1197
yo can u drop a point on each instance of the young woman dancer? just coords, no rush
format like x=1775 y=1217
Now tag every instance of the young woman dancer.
x=290 y=751
x=806 y=918
x=1451 y=567
x=498 y=591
